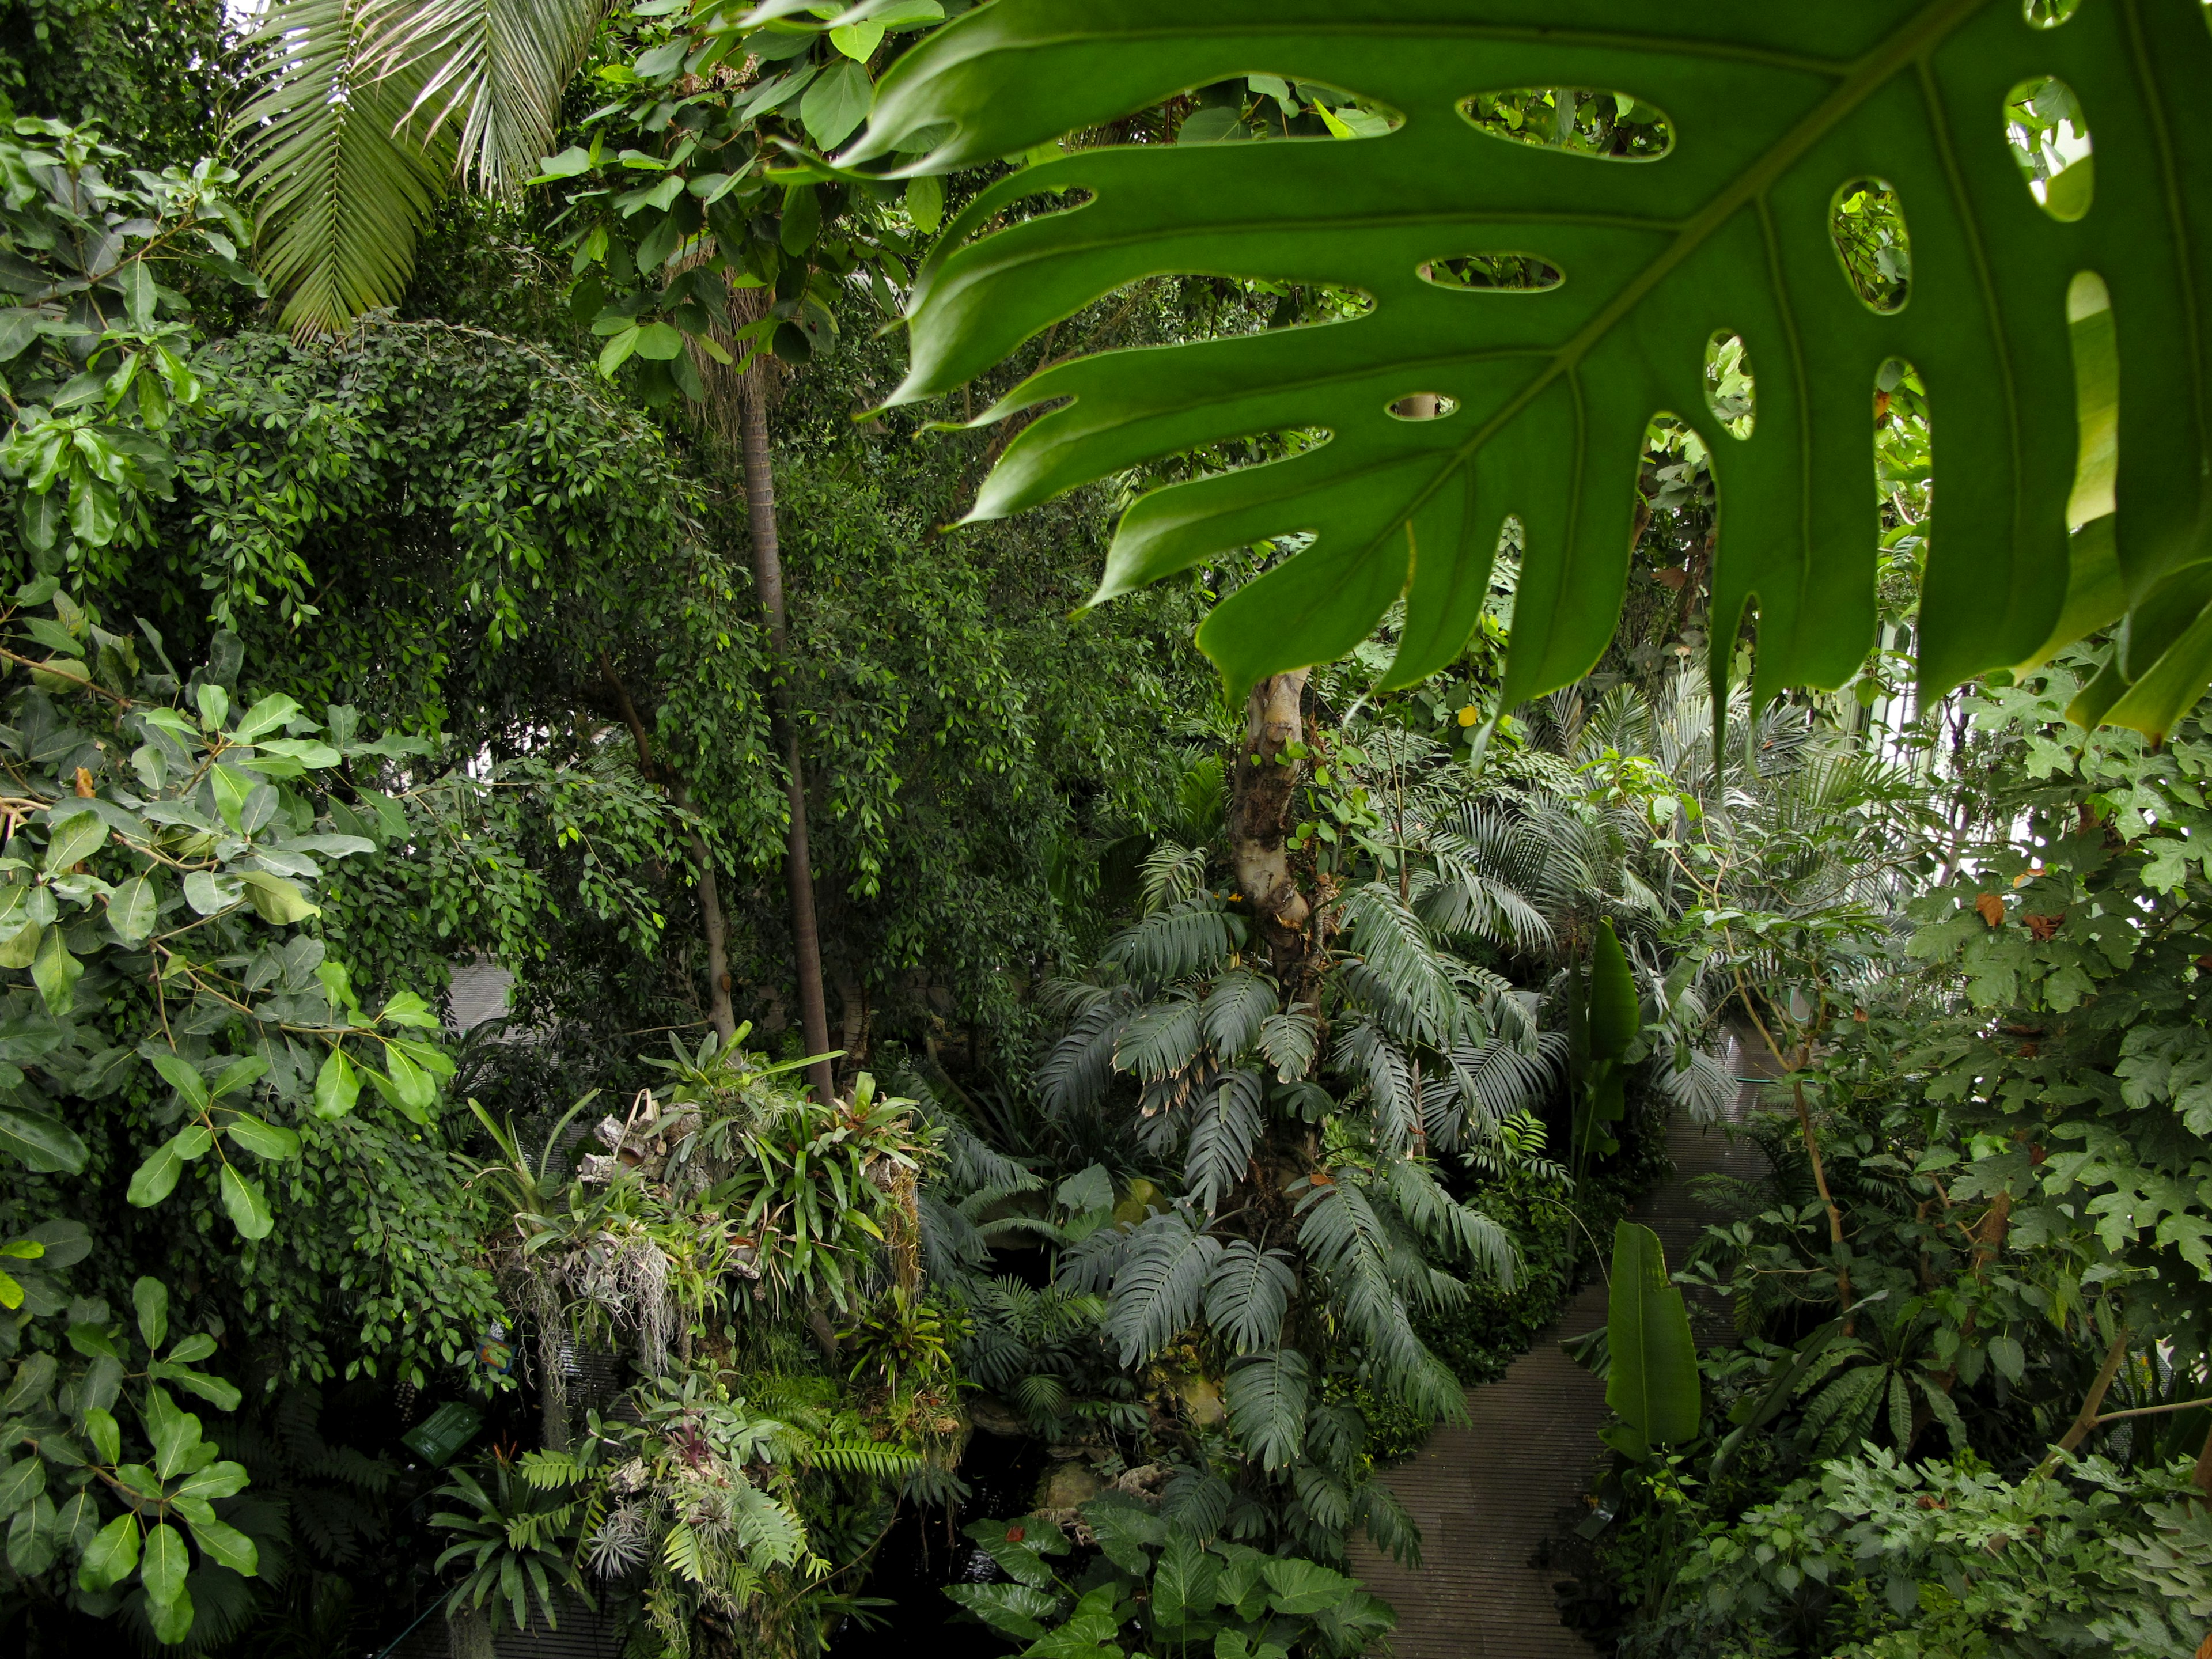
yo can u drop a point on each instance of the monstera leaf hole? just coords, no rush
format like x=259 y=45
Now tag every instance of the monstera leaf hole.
x=2050 y=139
x=2097 y=399
x=1609 y=126
x=2049 y=14
x=1269 y=106
x=1492 y=273
x=1424 y=406
x=1868 y=224
x=1730 y=393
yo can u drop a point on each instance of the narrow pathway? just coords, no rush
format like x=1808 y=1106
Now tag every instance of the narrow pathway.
x=1488 y=1492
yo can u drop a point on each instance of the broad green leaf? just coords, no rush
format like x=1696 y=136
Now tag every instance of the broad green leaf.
x=263 y=717
x=172 y=1620
x=208 y=892
x=1772 y=110
x=835 y=103
x=182 y=1076
x=261 y=1139
x=110 y=1557
x=405 y=1008
x=216 y=1480
x=74 y=838
x=162 y=1564
x=31 y=1539
x=150 y=1297
x=1017 y=1609
x=29 y=1387
x=226 y=1547
x=1302 y=1588
x=100 y=1428
x=1184 y=1585
x=338 y=1086
x=41 y=1141
x=1654 y=1384
x=238 y=1074
x=174 y=1431
x=406 y=1086
x=56 y=972
x=21 y=1482
x=278 y=900
x=132 y=909
x=249 y=1210
x=156 y=1177
x=222 y=1396
x=19 y=948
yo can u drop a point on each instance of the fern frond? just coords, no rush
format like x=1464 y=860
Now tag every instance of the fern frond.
x=768 y=1531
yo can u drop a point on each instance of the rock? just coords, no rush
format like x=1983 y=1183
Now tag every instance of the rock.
x=1202 y=1400
x=1067 y=1487
x=996 y=1417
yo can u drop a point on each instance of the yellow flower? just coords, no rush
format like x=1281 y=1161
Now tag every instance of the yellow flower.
x=1468 y=716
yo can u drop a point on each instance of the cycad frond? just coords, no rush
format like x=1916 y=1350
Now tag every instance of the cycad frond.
x=1236 y=1008
x=1170 y=875
x=1404 y=971
x=1266 y=1398
x=1366 y=1052
x=340 y=178
x=1247 y=1294
x=1161 y=1038
x=1196 y=936
x=1288 y=1040
x=1157 y=1290
x=1224 y=1128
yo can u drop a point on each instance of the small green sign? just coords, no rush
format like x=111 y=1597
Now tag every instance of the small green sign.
x=440 y=1435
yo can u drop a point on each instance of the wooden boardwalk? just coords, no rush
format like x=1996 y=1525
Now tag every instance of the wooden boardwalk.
x=1487 y=1492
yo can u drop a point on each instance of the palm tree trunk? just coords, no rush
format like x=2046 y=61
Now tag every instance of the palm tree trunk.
x=768 y=577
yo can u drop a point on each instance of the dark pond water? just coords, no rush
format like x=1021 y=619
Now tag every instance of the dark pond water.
x=922 y=1555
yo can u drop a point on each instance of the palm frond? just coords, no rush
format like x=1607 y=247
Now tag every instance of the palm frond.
x=1404 y=976
x=1288 y=1040
x=496 y=67
x=1078 y=1069
x=1366 y=1052
x=340 y=178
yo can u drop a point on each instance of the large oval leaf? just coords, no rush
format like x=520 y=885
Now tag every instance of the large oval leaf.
x=1774 y=109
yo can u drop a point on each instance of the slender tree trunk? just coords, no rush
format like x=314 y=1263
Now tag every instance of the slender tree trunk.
x=719 y=1011
x=1264 y=786
x=2085 y=1418
x=2201 y=1474
x=1835 y=1216
x=768 y=577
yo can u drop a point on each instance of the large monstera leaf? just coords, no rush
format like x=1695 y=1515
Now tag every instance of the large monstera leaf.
x=1773 y=110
